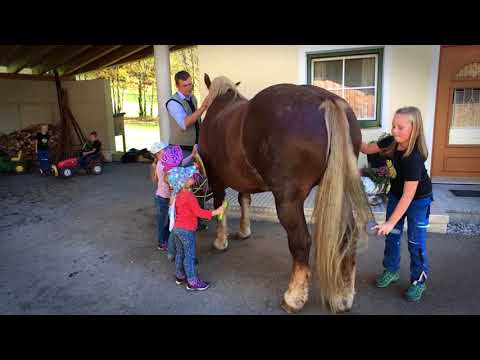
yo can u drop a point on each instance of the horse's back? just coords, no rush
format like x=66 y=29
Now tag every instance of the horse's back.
x=355 y=131
x=285 y=134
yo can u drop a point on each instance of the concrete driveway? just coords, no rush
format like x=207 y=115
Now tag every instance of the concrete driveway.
x=87 y=246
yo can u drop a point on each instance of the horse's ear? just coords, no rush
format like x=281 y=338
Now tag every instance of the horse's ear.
x=238 y=83
x=207 y=81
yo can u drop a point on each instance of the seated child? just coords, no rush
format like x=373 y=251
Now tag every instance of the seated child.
x=90 y=150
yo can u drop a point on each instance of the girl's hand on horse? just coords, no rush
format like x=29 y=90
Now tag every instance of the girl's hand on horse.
x=384 y=229
x=368 y=149
x=218 y=211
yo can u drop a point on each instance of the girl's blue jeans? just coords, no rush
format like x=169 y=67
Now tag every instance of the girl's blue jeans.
x=162 y=214
x=417 y=215
x=185 y=243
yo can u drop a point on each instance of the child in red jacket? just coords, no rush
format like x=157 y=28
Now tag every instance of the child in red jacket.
x=184 y=211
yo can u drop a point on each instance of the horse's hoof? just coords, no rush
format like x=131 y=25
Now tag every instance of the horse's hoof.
x=288 y=308
x=342 y=304
x=219 y=250
x=239 y=236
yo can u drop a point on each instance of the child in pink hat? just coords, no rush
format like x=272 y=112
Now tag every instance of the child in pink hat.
x=166 y=157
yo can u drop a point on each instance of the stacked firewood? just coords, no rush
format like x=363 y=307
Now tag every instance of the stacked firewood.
x=24 y=140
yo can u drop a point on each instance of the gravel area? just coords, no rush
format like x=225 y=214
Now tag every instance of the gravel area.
x=464 y=229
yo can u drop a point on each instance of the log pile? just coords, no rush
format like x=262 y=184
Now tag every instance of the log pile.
x=24 y=140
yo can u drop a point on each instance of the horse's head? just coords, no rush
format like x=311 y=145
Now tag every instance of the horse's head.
x=221 y=88
x=208 y=82
x=222 y=93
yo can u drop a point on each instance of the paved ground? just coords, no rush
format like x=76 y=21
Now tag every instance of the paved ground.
x=87 y=246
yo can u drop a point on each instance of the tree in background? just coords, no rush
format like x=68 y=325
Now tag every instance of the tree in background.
x=186 y=59
x=118 y=77
x=142 y=77
x=138 y=77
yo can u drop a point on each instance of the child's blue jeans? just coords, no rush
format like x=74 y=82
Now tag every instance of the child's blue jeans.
x=417 y=215
x=171 y=247
x=185 y=242
x=162 y=213
x=44 y=160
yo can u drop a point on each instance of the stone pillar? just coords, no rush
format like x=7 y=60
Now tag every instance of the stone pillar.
x=162 y=75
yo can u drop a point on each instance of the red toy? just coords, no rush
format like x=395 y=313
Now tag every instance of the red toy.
x=66 y=168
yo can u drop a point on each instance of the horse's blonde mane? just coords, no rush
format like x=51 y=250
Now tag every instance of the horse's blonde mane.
x=220 y=86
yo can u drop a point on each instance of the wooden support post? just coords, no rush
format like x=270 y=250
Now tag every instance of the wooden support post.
x=69 y=115
x=119 y=128
x=124 y=143
x=63 y=123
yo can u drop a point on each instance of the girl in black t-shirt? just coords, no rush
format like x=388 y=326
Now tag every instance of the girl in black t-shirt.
x=410 y=197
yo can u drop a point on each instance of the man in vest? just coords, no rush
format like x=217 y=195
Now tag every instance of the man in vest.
x=184 y=115
x=185 y=118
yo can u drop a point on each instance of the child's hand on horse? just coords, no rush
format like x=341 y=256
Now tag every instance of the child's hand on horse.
x=384 y=229
x=218 y=211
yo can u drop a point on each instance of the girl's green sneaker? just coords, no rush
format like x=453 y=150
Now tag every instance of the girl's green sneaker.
x=387 y=278
x=415 y=291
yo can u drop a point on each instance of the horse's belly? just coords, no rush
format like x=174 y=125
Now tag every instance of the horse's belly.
x=239 y=176
x=245 y=186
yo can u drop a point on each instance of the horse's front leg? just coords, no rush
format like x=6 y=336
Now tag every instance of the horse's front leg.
x=244 y=199
x=221 y=241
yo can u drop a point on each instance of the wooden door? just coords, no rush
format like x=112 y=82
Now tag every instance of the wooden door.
x=456 y=137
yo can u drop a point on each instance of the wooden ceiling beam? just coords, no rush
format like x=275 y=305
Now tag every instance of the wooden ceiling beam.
x=109 y=59
x=86 y=58
x=31 y=56
x=5 y=53
x=72 y=59
x=178 y=47
x=59 y=57
x=11 y=53
x=33 y=77
x=147 y=52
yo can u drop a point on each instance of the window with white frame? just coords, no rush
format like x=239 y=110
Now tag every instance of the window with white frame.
x=353 y=76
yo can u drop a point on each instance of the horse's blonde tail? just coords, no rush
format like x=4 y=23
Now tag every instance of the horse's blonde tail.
x=341 y=208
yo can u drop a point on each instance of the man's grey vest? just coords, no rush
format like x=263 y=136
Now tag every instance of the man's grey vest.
x=179 y=136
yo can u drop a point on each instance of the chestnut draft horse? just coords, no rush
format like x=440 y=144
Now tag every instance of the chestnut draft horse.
x=288 y=139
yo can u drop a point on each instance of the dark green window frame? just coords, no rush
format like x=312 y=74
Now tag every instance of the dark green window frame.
x=364 y=124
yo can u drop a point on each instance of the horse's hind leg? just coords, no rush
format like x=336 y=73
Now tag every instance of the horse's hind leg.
x=291 y=216
x=344 y=300
x=244 y=200
x=349 y=270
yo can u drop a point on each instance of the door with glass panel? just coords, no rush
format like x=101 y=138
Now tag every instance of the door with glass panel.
x=456 y=142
